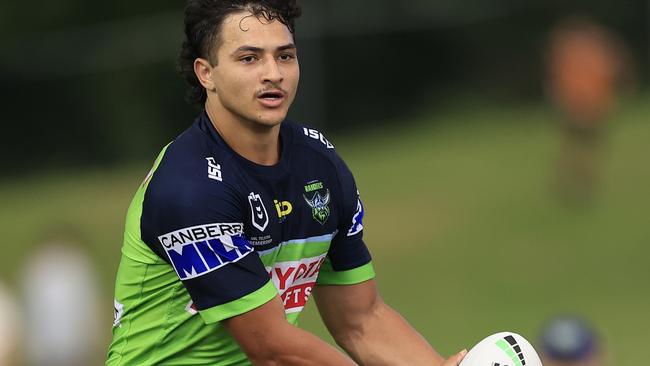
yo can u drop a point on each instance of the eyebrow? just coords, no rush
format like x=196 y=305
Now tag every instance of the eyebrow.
x=288 y=46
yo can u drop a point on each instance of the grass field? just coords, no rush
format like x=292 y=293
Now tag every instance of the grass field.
x=466 y=234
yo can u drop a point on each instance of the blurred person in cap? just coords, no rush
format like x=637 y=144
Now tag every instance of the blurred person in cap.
x=569 y=341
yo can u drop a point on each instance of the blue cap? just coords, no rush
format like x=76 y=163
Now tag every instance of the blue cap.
x=568 y=338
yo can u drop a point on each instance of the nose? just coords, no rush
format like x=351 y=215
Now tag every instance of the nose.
x=272 y=73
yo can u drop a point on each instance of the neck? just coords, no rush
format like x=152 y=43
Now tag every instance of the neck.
x=253 y=141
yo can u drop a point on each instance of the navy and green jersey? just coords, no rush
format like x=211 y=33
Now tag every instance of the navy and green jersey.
x=210 y=235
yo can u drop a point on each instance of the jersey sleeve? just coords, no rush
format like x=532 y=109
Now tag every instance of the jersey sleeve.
x=196 y=225
x=348 y=260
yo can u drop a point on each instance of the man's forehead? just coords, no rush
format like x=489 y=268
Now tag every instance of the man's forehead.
x=245 y=28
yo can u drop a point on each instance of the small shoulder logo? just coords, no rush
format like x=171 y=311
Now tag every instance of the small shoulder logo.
x=214 y=169
x=259 y=215
x=310 y=132
x=319 y=204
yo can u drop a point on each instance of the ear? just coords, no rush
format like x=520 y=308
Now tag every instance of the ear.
x=203 y=72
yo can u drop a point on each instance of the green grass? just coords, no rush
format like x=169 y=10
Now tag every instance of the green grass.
x=467 y=236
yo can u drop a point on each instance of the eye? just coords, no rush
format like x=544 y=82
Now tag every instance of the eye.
x=248 y=59
x=286 y=57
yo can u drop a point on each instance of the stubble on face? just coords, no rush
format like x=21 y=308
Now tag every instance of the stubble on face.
x=256 y=71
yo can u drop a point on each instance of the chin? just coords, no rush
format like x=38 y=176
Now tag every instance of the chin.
x=270 y=119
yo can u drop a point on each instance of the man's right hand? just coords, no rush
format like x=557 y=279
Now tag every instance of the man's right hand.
x=455 y=359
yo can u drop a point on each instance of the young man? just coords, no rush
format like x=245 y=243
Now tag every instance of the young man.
x=244 y=215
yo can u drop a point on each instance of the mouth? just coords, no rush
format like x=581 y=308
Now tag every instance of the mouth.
x=271 y=98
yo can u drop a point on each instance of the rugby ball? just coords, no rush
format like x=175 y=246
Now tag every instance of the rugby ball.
x=502 y=349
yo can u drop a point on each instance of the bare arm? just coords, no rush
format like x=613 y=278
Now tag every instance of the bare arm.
x=267 y=339
x=371 y=331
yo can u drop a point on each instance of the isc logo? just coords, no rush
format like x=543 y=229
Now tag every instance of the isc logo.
x=317 y=136
x=197 y=250
x=214 y=169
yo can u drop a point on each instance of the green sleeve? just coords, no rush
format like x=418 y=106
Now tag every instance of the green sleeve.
x=328 y=276
x=242 y=305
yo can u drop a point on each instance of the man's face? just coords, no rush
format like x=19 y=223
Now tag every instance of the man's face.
x=256 y=72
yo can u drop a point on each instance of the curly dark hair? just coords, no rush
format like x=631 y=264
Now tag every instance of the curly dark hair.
x=203 y=19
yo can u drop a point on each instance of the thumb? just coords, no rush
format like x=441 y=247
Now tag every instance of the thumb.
x=455 y=359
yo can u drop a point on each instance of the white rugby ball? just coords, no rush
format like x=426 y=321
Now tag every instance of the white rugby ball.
x=502 y=349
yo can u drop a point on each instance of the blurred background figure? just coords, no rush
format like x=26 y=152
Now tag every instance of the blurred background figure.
x=60 y=303
x=586 y=69
x=570 y=341
x=9 y=328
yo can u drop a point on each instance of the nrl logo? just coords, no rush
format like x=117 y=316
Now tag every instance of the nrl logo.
x=258 y=212
x=320 y=210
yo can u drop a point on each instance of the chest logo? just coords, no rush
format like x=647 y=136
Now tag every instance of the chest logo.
x=259 y=216
x=283 y=208
x=320 y=209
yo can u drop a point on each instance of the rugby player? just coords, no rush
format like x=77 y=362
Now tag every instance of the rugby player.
x=244 y=215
